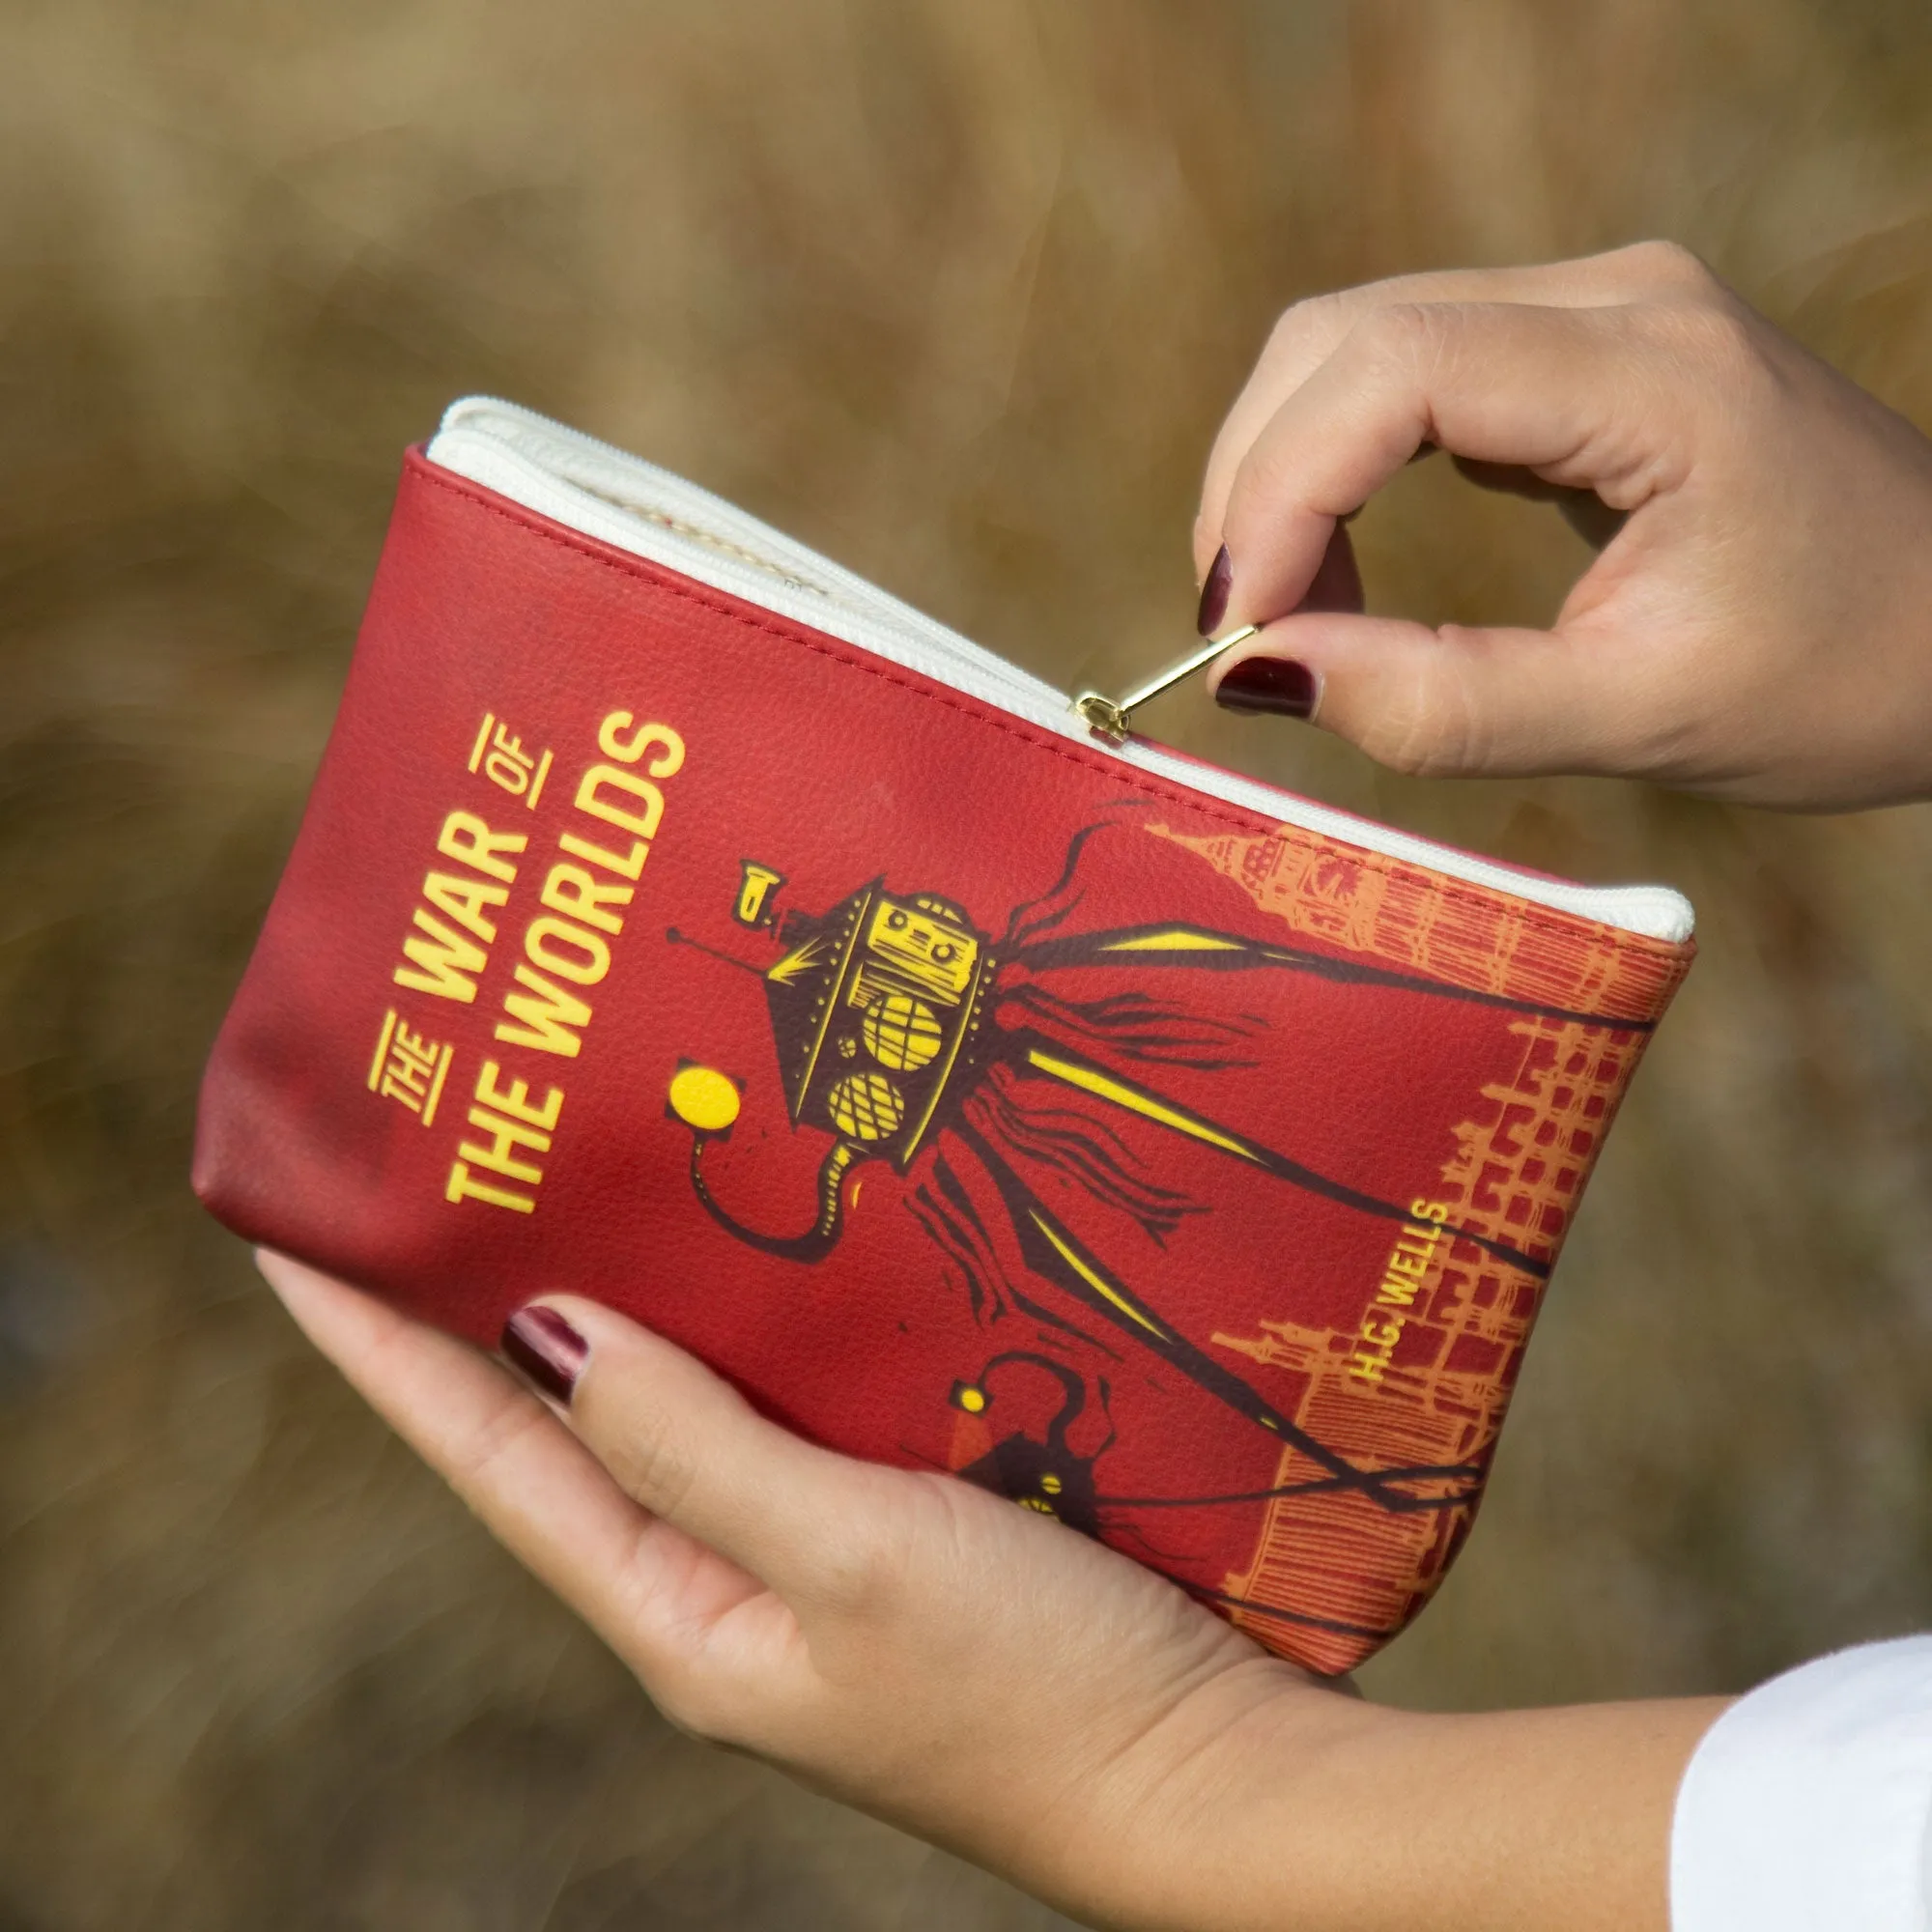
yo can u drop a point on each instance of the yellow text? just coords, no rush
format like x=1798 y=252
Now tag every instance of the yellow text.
x=1410 y=1261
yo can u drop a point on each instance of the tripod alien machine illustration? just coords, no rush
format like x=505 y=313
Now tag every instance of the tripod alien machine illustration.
x=1200 y=1325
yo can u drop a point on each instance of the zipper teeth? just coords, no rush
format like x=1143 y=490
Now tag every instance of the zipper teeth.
x=678 y=527
x=604 y=493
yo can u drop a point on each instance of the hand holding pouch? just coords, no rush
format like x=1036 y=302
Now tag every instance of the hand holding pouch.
x=680 y=922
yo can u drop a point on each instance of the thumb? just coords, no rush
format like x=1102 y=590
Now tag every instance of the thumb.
x=686 y=1446
x=1453 y=701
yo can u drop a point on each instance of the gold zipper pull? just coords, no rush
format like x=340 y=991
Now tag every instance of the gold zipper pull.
x=1107 y=717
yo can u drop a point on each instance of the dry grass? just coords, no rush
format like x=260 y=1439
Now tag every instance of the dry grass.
x=958 y=292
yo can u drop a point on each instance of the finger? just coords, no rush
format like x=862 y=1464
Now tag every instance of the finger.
x=1577 y=395
x=1308 y=333
x=1337 y=584
x=1455 y=701
x=685 y=1444
x=654 y=1594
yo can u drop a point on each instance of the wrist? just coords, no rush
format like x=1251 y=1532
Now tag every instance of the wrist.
x=1307 y=1815
x=1274 y=1805
x=1424 y=1822
x=1222 y=1816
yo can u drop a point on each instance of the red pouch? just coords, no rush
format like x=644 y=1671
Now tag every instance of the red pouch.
x=679 y=920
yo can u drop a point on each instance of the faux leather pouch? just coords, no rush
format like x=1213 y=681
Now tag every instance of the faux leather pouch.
x=679 y=920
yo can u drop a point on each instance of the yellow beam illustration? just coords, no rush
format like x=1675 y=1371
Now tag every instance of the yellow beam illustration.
x=1095 y=1280
x=1137 y=1100
x=1177 y=939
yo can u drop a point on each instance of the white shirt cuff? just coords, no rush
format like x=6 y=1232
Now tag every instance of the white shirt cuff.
x=1808 y=1807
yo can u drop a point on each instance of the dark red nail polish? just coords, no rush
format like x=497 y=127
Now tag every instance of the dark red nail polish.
x=548 y=1350
x=1277 y=685
x=1214 y=593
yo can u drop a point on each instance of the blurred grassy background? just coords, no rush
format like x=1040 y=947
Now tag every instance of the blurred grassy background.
x=956 y=292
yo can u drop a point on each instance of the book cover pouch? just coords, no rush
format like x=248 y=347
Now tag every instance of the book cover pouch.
x=974 y=1100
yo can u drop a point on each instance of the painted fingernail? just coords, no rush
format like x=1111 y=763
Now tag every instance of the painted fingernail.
x=1214 y=593
x=1277 y=685
x=548 y=1350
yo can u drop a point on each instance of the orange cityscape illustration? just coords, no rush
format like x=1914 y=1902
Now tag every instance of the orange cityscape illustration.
x=1519 y=1163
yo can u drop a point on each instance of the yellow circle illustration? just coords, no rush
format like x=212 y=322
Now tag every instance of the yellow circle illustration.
x=701 y=1098
x=972 y=1399
x=866 y=1106
x=902 y=1031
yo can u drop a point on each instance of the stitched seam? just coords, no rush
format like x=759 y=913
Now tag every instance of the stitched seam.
x=644 y=571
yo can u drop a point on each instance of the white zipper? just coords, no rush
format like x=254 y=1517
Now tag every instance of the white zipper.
x=635 y=506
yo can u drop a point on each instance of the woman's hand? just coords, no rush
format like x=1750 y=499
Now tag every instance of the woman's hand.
x=987 y=1678
x=1759 y=628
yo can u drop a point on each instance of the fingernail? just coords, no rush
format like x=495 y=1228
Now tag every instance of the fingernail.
x=548 y=1350
x=1277 y=685
x=1214 y=593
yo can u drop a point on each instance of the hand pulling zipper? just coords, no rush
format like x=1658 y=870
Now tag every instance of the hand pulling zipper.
x=1108 y=718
